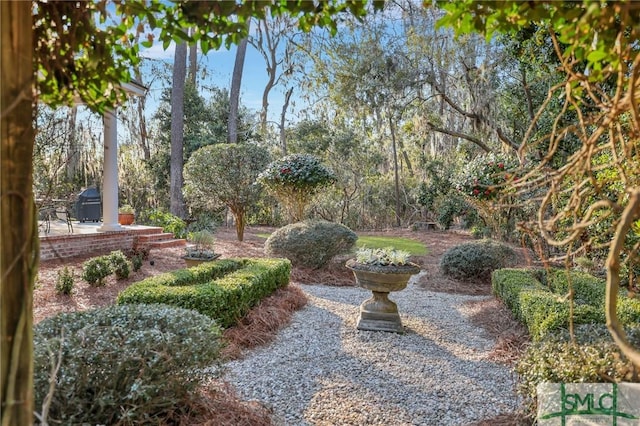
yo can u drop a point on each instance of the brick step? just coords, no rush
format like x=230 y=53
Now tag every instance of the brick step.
x=146 y=230
x=147 y=238
x=175 y=242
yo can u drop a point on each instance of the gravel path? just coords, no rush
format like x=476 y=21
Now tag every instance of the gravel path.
x=321 y=370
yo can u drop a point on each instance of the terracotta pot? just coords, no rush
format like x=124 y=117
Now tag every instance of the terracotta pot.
x=125 y=218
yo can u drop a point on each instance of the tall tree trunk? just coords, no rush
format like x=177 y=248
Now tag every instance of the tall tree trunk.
x=234 y=96
x=143 y=140
x=267 y=47
x=265 y=101
x=405 y=157
x=283 y=134
x=239 y=216
x=193 y=60
x=18 y=227
x=73 y=153
x=396 y=175
x=177 y=129
x=142 y=100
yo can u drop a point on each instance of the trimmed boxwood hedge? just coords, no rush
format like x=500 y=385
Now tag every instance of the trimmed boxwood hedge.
x=538 y=299
x=594 y=358
x=224 y=290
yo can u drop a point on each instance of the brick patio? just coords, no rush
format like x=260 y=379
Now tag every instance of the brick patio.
x=59 y=243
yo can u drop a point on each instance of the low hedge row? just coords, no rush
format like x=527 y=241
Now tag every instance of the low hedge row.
x=223 y=290
x=539 y=299
x=594 y=358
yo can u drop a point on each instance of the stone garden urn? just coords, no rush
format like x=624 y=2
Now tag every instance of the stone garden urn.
x=381 y=277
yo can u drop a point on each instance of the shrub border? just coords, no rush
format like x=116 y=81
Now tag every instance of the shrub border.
x=543 y=310
x=223 y=290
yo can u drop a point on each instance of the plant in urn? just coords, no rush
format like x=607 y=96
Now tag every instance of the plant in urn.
x=381 y=271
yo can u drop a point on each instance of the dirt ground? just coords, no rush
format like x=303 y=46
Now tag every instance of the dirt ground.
x=47 y=302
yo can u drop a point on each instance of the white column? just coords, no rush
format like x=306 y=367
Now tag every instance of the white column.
x=110 y=174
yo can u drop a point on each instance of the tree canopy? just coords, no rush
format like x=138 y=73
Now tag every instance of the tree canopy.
x=592 y=200
x=225 y=174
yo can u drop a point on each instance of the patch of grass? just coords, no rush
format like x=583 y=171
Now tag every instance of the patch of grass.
x=415 y=248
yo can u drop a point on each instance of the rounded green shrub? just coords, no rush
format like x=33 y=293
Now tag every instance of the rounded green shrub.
x=169 y=223
x=126 y=364
x=120 y=264
x=137 y=256
x=476 y=259
x=65 y=281
x=311 y=243
x=96 y=269
x=136 y=262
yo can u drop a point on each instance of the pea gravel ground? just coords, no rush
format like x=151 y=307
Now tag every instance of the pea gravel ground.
x=321 y=370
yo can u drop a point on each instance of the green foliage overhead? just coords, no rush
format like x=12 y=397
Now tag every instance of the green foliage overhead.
x=81 y=52
x=86 y=49
x=576 y=24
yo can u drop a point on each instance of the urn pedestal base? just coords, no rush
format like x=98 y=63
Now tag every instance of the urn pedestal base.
x=379 y=314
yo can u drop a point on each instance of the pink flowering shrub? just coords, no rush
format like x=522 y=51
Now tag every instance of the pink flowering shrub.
x=485 y=176
x=294 y=180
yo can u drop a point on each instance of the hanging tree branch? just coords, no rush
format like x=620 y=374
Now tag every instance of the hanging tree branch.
x=459 y=135
x=629 y=216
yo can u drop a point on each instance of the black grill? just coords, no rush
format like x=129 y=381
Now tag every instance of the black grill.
x=88 y=207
